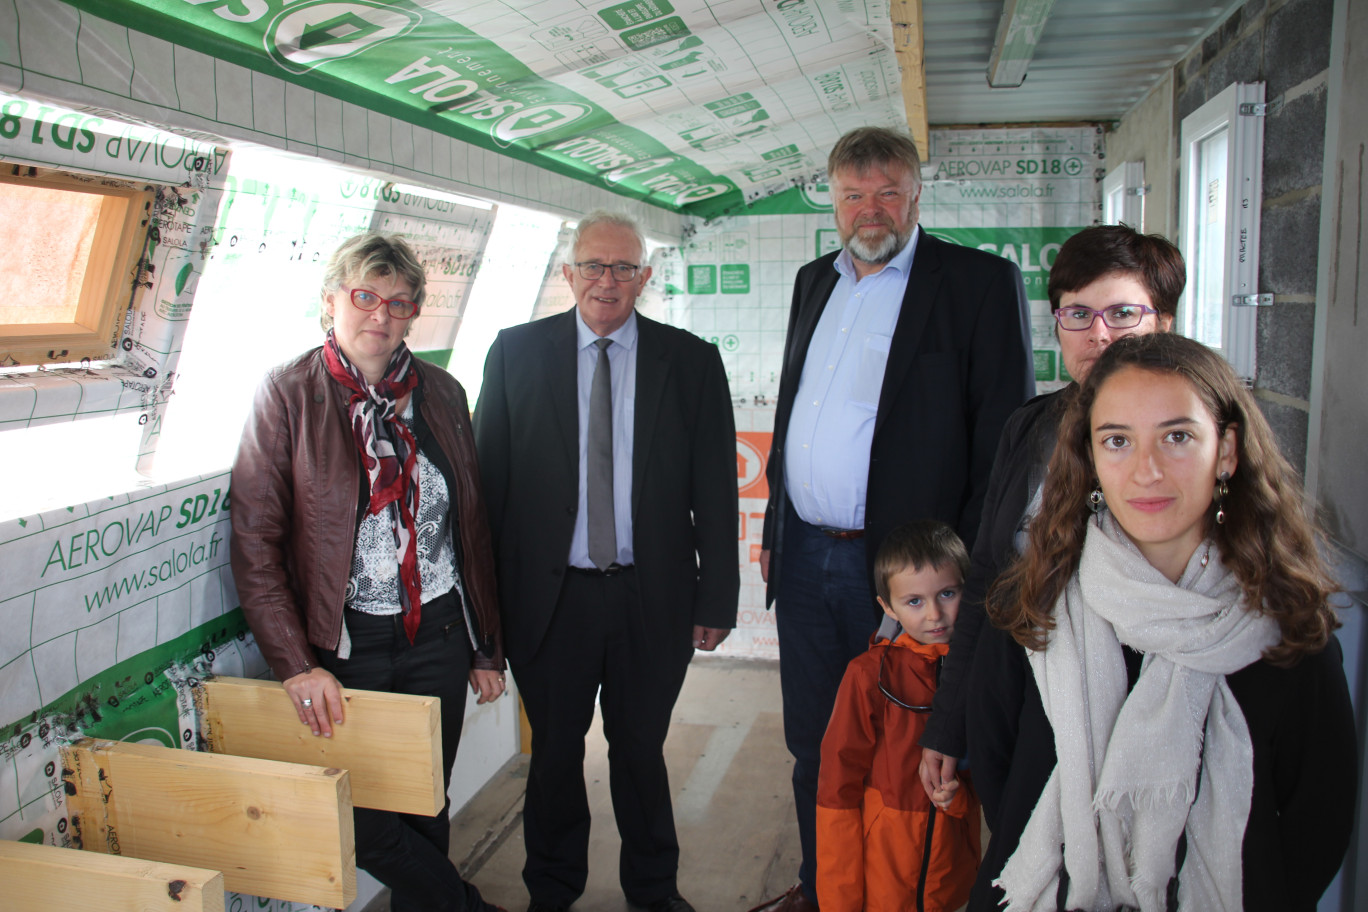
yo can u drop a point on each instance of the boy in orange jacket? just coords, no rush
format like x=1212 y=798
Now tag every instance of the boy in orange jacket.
x=882 y=843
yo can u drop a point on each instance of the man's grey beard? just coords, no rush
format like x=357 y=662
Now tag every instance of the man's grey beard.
x=878 y=252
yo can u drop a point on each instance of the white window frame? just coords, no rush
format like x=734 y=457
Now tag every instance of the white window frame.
x=1239 y=298
x=1123 y=195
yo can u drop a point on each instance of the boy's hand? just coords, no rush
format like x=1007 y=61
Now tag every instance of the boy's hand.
x=934 y=769
x=942 y=796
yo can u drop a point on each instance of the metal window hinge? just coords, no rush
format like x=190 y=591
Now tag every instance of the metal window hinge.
x=1252 y=300
x=1259 y=108
x=1138 y=191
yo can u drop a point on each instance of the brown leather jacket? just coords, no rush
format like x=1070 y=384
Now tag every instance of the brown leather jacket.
x=295 y=493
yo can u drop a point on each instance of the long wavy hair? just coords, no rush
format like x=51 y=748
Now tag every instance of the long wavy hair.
x=1267 y=540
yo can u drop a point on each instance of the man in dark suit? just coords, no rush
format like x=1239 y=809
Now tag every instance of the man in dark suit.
x=607 y=452
x=905 y=355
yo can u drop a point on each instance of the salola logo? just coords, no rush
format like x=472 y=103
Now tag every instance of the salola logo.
x=304 y=37
x=538 y=119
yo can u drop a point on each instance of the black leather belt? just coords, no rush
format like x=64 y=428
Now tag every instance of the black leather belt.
x=611 y=570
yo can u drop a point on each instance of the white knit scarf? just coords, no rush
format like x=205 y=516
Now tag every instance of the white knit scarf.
x=1124 y=784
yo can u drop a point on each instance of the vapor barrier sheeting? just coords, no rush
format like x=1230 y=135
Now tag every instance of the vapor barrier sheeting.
x=705 y=108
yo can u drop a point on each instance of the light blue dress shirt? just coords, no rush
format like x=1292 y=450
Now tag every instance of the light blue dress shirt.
x=831 y=429
x=622 y=361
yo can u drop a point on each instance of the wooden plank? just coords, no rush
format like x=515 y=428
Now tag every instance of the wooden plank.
x=39 y=878
x=278 y=830
x=390 y=743
x=909 y=39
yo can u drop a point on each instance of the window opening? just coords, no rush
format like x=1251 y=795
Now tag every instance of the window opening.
x=71 y=248
x=1221 y=174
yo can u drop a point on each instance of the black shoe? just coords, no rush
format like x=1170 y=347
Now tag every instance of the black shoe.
x=535 y=906
x=674 y=903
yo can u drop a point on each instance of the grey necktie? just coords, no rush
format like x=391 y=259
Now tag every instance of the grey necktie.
x=602 y=524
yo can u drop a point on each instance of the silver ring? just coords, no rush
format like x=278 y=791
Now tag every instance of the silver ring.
x=307 y=702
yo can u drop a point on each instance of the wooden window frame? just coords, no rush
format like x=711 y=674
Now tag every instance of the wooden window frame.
x=111 y=269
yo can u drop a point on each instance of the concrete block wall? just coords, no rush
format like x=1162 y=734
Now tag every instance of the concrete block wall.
x=1286 y=45
x=1148 y=134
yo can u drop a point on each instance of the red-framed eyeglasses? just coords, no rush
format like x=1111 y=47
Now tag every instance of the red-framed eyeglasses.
x=399 y=308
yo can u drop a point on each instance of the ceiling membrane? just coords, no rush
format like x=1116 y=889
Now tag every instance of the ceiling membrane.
x=704 y=107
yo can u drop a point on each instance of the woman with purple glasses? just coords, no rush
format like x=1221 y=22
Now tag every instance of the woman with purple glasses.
x=1107 y=282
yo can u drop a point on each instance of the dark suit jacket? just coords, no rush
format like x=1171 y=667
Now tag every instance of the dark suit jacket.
x=1028 y=441
x=959 y=363
x=684 y=496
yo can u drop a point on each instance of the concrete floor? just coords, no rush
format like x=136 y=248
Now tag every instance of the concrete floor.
x=733 y=802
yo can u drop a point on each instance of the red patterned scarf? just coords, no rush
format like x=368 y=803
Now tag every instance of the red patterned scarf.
x=390 y=456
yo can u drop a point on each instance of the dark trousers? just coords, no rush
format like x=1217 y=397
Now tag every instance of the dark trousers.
x=825 y=613
x=595 y=646
x=408 y=852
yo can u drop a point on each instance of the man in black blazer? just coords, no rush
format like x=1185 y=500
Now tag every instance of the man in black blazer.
x=904 y=357
x=612 y=569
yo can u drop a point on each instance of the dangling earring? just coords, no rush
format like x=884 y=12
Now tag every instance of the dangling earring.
x=1096 y=501
x=1219 y=495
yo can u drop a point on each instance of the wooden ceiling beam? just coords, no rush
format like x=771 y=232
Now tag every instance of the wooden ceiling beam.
x=909 y=40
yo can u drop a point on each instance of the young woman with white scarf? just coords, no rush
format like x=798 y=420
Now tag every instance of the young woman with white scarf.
x=1160 y=719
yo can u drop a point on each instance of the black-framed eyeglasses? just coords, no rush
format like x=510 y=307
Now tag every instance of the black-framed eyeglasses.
x=621 y=272
x=399 y=308
x=892 y=698
x=1119 y=316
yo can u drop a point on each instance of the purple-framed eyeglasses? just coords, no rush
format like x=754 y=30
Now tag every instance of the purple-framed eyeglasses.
x=399 y=308
x=1077 y=318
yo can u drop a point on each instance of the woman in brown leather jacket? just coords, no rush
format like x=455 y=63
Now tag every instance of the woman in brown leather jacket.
x=360 y=545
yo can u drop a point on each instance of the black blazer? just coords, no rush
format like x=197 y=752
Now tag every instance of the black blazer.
x=684 y=495
x=959 y=363
x=1028 y=442
x=1301 y=725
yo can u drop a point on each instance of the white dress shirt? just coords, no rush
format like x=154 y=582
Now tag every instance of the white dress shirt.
x=622 y=360
x=831 y=428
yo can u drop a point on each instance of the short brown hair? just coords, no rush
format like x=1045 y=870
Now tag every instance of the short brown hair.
x=865 y=147
x=917 y=544
x=373 y=253
x=1102 y=250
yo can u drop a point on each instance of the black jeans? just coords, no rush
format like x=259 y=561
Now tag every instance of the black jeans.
x=408 y=852
x=825 y=613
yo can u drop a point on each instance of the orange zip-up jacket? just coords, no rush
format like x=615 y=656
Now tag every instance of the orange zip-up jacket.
x=882 y=846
